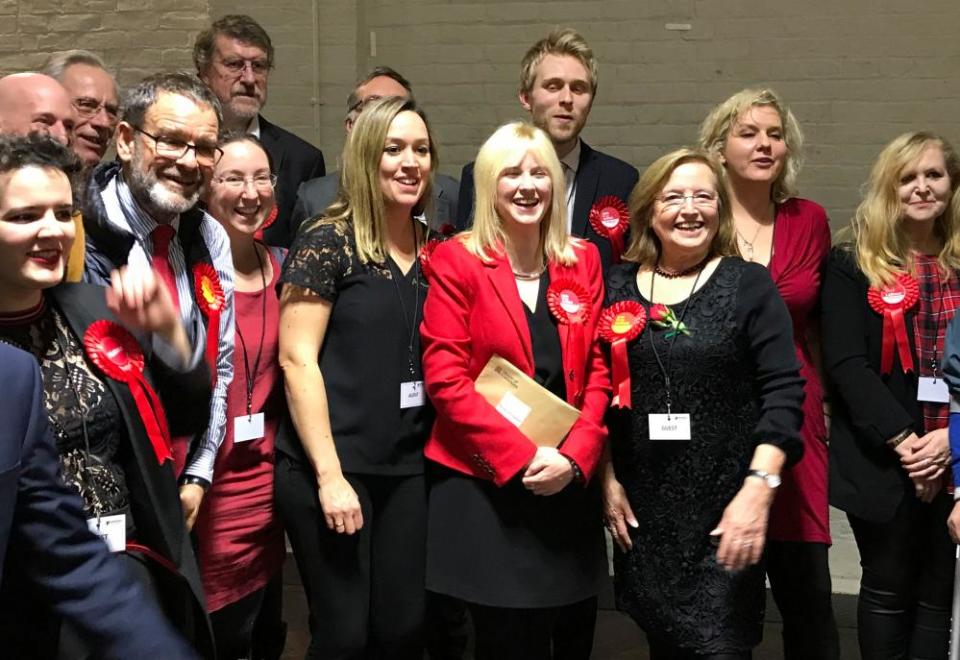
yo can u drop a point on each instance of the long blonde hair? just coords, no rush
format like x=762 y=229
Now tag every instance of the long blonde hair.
x=880 y=244
x=715 y=130
x=359 y=202
x=644 y=247
x=506 y=148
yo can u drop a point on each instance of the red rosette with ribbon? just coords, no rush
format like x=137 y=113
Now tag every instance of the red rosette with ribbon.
x=610 y=217
x=117 y=354
x=569 y=303
x=891 y=302
x=210 y=299
x=271 y=218
x=426 y=252
x=619 y=324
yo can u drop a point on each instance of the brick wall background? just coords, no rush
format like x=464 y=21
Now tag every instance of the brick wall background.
x=856 y=72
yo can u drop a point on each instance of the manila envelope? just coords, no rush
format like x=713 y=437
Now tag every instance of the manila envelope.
x=539 y=414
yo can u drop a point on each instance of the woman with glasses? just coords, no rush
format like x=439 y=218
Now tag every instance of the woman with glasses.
x=758 y=141
x=706 y=414
x=888 y=298
x=119 y=380
x=240 y=540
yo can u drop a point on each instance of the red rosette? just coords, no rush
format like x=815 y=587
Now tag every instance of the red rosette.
x=620 y=324
x=210 y=299
x=891 y=302
x=610 y=217
x=426 y=252
x=115 y=352
x=569 y=302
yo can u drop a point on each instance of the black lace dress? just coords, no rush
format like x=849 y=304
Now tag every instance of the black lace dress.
x=737 y=376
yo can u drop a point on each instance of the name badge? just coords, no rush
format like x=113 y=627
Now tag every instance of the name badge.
x=412 y=394
x=933 y=390
x=247 y=427
x=675 y=426
x=112 y=529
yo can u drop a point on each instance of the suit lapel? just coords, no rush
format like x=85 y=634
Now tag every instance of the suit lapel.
x=588 y=178
x=501 y=277
x=271 y=142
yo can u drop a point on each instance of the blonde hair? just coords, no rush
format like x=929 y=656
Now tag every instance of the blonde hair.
x=359 y=202
x=716 y=128
x=506 y=148
x=645 y=247
x=565 y=41
x=880 y=244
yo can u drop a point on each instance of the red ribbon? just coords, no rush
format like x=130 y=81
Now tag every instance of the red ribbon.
x=210 y=299
x=610 y=218
x=117 y=354
x=620 y=324
x=892 y=301
x=569 y=303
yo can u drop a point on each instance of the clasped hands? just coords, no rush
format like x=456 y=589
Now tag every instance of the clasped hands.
x=925 y=458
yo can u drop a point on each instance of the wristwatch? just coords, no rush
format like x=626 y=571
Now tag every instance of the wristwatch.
x=772 y=480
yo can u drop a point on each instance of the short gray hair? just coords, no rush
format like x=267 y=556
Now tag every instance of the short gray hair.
x=141 y=97
x=58 y=63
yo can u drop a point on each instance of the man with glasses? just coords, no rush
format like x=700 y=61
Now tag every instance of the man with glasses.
x=142 y=213
x=95 y=99
x=234 y=58
x=314 y=196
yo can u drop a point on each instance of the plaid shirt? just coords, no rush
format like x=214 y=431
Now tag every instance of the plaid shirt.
x=939 y=299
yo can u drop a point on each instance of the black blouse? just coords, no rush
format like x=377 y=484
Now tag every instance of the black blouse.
x=545 y=340
x=372 y=345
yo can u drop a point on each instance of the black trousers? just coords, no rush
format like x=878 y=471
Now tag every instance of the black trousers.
x=253 y=626
x=546 y=633
x=366 y=593
x=906 y=591
x=799 y=575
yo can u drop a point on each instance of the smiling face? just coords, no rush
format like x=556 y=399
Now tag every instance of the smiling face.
x=405 y=164
x=94 y=97
x=237 y=75
x=686 y=229
x=524 y=193
x=36 y=232
x=560 y=99
x=755 y=149
x=925 y=187
x=240 y=194
x=165 y=185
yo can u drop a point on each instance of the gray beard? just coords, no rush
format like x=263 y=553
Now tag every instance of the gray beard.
x=159 y=202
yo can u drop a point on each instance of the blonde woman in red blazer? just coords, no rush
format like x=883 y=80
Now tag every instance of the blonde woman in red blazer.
x=514 y=529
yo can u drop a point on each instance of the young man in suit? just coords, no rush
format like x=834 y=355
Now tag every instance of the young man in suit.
x=41 y=518
x=316 y=195
x=558 y=83
x=234 y=57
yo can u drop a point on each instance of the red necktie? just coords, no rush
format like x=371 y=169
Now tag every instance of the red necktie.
x=161 y=237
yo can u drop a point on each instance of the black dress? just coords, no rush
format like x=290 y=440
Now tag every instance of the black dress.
x=737 y=376
x=513 y=548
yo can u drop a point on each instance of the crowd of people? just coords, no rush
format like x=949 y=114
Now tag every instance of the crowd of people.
x=221 y=345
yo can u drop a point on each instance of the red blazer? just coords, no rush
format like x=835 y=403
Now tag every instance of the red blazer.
x=472 y=312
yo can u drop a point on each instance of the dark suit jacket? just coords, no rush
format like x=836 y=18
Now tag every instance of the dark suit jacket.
x=42 y=519
x=154 y=495
x=316 y=195
x=598 y=175
x=473 y=311
x=867 y=408
x=294 y=161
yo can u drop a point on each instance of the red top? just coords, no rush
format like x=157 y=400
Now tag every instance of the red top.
x=240 y=539
x=472 y=312
x=800 y=247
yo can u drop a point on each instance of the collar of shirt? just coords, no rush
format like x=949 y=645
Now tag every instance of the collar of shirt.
x=131 y=216
x=254 y=127
x=572 y=159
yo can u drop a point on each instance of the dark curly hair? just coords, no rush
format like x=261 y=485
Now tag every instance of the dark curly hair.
x=38 y=150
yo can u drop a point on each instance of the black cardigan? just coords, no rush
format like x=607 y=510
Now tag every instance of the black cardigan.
x=867 y=408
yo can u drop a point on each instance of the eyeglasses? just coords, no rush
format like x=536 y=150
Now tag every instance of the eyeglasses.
x=702 y=200
x=176 y=149
x=237 y=65
x=261 y=182
x=88 y=107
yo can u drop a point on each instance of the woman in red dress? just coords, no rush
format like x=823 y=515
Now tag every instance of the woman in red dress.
x=758 y=141
x=240 y=538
